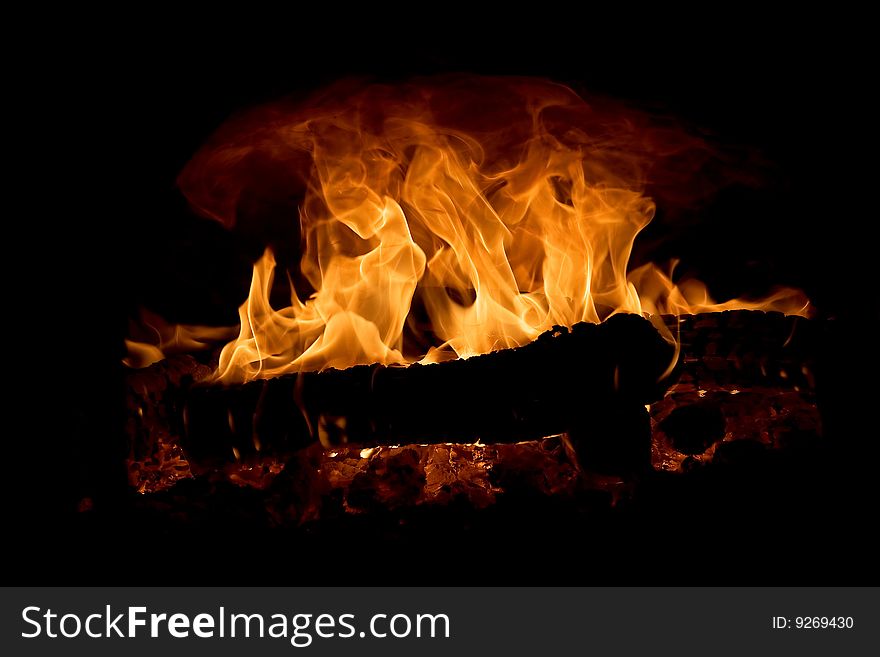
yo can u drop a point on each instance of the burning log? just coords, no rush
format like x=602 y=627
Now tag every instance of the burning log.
x=747 y=348
x=744 y=377
x=564 y=380
x=472 y=249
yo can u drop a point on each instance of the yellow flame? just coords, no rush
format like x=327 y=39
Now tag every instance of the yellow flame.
x=495 y=223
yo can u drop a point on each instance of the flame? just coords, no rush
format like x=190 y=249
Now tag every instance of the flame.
x=445 y=219
x=152 y=339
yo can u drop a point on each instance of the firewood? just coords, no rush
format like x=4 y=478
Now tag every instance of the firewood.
x=563 y=382
x=508 y=396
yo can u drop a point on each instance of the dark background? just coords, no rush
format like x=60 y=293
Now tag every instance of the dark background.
x=125 y=112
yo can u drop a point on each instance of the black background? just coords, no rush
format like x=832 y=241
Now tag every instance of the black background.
x=124 y=110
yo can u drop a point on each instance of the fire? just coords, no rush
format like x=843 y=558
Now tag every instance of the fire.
x=444 y=219
x=152 y=339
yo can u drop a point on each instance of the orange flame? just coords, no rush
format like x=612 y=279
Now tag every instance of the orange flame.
x=152 y=339
x=445 y=219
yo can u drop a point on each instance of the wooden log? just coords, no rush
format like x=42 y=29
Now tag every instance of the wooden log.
x=747 y=347
x=743 y=376
x=513 y=395
x=564 y=382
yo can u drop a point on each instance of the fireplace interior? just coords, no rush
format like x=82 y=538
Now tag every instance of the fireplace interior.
x=659 y=444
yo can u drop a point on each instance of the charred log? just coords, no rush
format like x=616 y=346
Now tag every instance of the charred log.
x=747 y=348
x=514 y=395
x=564 y=382
x=614 y=439
x=744 y=376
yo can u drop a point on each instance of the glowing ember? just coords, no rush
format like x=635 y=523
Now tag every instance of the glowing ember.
x=444 y=219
